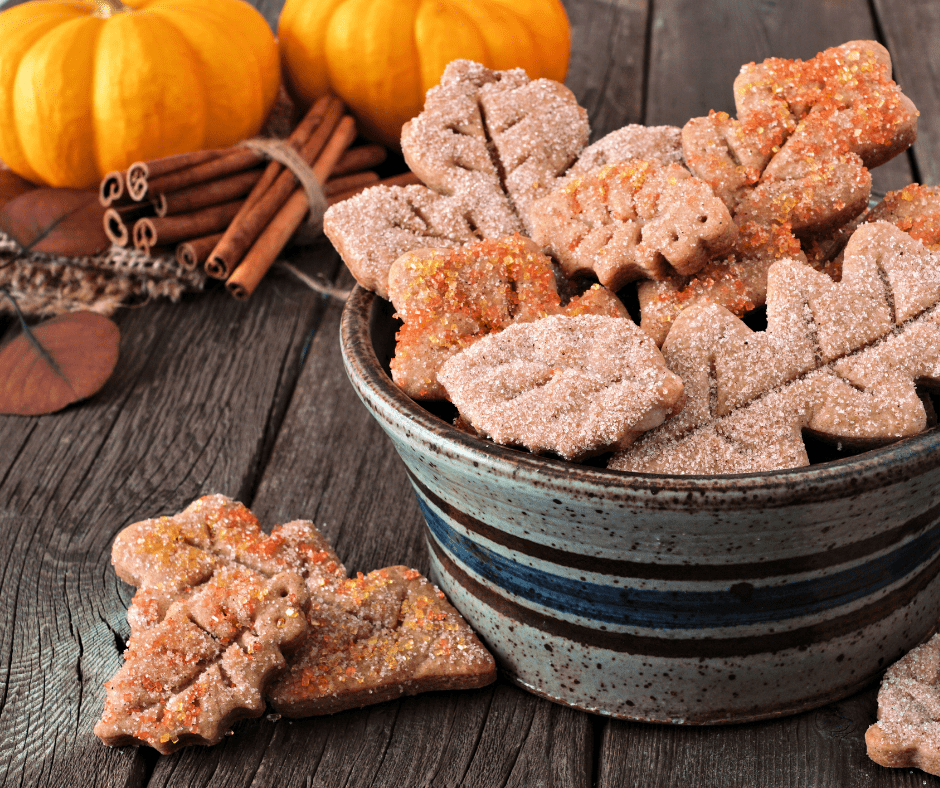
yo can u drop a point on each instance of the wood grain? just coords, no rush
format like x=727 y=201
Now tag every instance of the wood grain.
x=251 y=400
x=697 y=50
x=608 y=56
x=176 y=421
x=916 y=58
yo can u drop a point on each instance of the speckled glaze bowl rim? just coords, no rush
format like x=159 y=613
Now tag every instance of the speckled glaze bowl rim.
x=824 y=481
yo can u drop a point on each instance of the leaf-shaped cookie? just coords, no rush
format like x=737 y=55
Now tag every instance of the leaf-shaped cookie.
x=376 y=637
x=449 y=299
x=205 y=665
x=794 y=115
x=907 y=733
x=376 y=227
x=914 y=209
x=575 y=386
x=348 y=641
x=167 y=557
x=633 y=220
x=794 y=161
x=56 y=363
x=496 y=135
x=838 y=358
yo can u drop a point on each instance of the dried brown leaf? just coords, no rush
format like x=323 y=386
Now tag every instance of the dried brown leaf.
x=56 y=363
x=12 y=185
x=67 y=222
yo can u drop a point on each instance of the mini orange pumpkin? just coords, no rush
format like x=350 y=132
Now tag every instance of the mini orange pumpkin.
x=88 y=87
x=381 y=56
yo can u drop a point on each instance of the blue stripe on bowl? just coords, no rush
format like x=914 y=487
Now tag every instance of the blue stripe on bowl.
x=741 y=605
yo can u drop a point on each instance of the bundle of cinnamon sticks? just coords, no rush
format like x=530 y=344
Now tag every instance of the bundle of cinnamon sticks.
x=234 y=210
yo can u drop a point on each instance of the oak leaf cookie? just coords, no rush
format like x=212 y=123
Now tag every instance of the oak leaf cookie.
x=205 y=665
x=794 y=116
x=376 y=637
x=497 y=135
x=837 y=358
x=795 y=161
x=448 y=299
x=907 y=733
x=633 y=220
x=575 y=386
x=223 y=609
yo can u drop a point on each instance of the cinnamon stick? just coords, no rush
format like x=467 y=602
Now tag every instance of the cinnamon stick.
x=111 y=189
x=230 y=161
x=297 y=139
x=140 y=172
x=246 y=228
x=405 y=179
x=206 y=194
x=357 y=181
x=193 y=253
x=173 y=229
x=117 y=219
x=362 y=157
x=260 y=257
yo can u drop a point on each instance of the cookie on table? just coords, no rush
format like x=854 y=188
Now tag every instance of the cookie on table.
x=907 y=733
x=376 y=637
x=633 y=220
x=448 y=299
x=227 y=615
x=574 y=386
x=206 y=664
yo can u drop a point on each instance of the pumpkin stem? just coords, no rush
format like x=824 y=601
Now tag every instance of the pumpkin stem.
x=108 y=8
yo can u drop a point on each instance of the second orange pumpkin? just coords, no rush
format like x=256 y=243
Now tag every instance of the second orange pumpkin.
x=382 y=56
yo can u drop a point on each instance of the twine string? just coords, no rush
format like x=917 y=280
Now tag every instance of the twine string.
x=284 y=153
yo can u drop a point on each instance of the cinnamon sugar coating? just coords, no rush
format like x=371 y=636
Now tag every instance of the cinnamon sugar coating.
x=186 y=679
x=795 y=161
x=737 y=281
x=575 y=386
x=495 y=135
x=792 y=115
x=914 y=209
x=377 y=637
x=662 y=144
x=449 y=299
x=223 y=609
x=907 y=733
x=837 y=358
x=633 y=220
x=373 y=229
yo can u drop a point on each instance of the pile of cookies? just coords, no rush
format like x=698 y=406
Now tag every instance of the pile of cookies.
x=510 y=267
x=227 y=619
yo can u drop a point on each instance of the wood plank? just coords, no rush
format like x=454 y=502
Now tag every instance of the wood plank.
x=190 y=410
x=819 y=748
x=910 y=30
x=608 y=53
x=697 y=50
x=333 y=464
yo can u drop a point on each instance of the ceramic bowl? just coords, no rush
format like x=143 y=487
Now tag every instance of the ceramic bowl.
x=695 y=599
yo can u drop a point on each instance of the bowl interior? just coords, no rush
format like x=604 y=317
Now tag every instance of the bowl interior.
x=368 y=344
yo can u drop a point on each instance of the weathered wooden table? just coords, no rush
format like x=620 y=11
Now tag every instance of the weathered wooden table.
x=251 y=400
